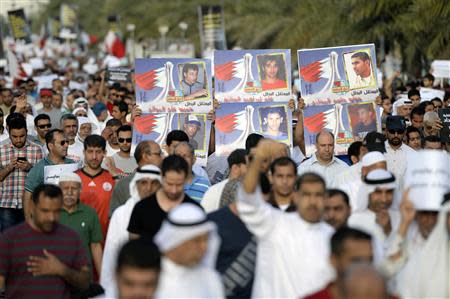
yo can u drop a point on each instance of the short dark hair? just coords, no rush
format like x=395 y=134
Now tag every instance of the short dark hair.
x=334 y=192
x=50 y=136
x=423 y=105
x=409 y=130
x=12 y=116
x=124 y=128
x=113 y=123
x=283 y=161
x=41 y=117
x=189 y=66
x=354 y=150
x=413 y=92
x=417 y=111
x=252 y=141
x=17 y=123
x=361 y=55
x=309 y=177
x=48 y=190
x=176 y=135
x=346 y=233
x=141 y=254
x=174 y=163
x=433 y=138
x=94 y=141
x=436 y=100
x=429 y=77
x=123 y=107
x=68 y=117
x=142 y=148
x=236 y=157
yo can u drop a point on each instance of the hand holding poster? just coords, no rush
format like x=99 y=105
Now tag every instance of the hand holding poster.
x=427 y=176
x=53 y=172
x=173 y=85
x=118 y=75
x=252 y=76
x=156 y=127
x=235 y=121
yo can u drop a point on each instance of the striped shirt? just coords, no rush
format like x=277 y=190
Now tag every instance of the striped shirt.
x=197 y=188
x=11 y=189
x=20 y=242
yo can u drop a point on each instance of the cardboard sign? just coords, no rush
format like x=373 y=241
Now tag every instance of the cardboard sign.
x=427 y=94
x=19 y=25
x=428 y=178
x=118 y=75
x=444 y=115
x=53 y=172
x=441 y=68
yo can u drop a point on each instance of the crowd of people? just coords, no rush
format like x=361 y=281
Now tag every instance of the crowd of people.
x=85 y=214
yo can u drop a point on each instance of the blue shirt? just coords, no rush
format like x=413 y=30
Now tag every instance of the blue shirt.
x=197 y=188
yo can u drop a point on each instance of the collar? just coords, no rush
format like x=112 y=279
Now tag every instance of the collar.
x=66 y=160
x=27 y=144
x=315 y=160
x=78 y=209
x=387 y=145
x=89 y=176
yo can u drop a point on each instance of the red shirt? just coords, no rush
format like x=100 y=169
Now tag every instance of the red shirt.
x=324 y=293
x=96 y=192
x=276 y=85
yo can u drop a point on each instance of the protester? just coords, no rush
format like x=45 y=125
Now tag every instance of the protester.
x=413 y=139
x=45 y=97
x=69 y=125
x=42 y=125
x=282 y=177
x=336 y=208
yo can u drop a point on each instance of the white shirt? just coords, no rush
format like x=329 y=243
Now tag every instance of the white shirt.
x=211 y=199
x=292 y=257
x=117 y=236
x=397 y=160
x=110 y=151
x=177 y=281
x=75 y=151
x=329 y=172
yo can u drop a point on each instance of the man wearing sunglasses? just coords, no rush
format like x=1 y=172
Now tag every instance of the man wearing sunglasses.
x=42 y=124
x=396 y=150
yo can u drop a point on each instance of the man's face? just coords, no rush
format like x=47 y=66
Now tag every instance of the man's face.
x=395 y=137
x=283 y=180
x=7 y=98
x=93 y=157
x=43 y=127
x=429 y=108
x=147 y=187
x=193 y=250
x=18 y=137
x=404 y=110
x=427 y=82
x=428 y=129
x=433 y=145
x=125 y=138
x=154 y=156
x=46 y=101
x=191 y=130
x=57 y=101
x=70 y=128
x=116 y=113
x=71 y=193
x=360 y=67
x=186 y=154
x=325 y=147
x=271 y=69
x=57 y=85
x=85 y=130
x=336 y=211
x=136 y=283
x=113 y=137
x=417 y=121
x=310 y=201
x=173 y=184
x=426 y=220
x=354 y=251
x=381 y=199
x=364 y=116
x=415 y=99
x=387 y=106
x=69 y=101
x=274 y=121
x=46 y=213
x=437 y=105
x=59 y=146
x=191 y=76
x=414 y=141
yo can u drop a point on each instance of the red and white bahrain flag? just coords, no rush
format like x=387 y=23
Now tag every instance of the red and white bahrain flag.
x=114 y=44
x=317 y=70
x=232 y=122
x=230 y=70
x=151 y=79
x=323 y=120
x=152 y=123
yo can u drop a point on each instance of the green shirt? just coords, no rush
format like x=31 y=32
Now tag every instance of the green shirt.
x=85 y=222
x=36 y=175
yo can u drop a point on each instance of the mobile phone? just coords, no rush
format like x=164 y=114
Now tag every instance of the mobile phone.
x=24 y=159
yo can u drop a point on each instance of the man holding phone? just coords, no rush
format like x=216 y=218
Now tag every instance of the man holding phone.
x=16 y=159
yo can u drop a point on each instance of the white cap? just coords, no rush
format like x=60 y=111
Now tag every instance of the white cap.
x=69 y=177
x=371 y=158
x=81 y=100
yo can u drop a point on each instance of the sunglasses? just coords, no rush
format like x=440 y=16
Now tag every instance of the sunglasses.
x=122 y=140
x=46 y=126
x=63 y=142
x=400 y=132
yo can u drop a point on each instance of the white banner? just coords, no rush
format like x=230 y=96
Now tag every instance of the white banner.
x=53 y=172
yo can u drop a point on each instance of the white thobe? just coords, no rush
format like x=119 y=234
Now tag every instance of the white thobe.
x=177 y=281
x=211 y=199
x=366 y=221
x=116 y=237
x=292 y=257
x=76 y=151
x=397 y=160
x=329 y=172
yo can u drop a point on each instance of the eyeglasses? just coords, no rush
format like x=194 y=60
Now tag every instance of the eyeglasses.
x=156 y=153
x=399 y=132
x=46 y=126
x=63 y=142
x=122 y=140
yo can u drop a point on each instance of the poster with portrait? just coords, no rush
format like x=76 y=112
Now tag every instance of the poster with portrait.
x=338 y=75
x=348 y=122
x=235 y=121
x=173 y=85
x=252 y=75
x=156 y=126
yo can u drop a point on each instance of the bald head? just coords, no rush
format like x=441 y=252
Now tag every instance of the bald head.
x=362 y=280
x=148 y=152
x=324 y=146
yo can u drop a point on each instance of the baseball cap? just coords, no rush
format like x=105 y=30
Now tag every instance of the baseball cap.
x=192 y=119
x=395 y=122
x=374 y=141
x=98 y=108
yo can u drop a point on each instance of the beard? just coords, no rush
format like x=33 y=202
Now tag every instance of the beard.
x=395 y=141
